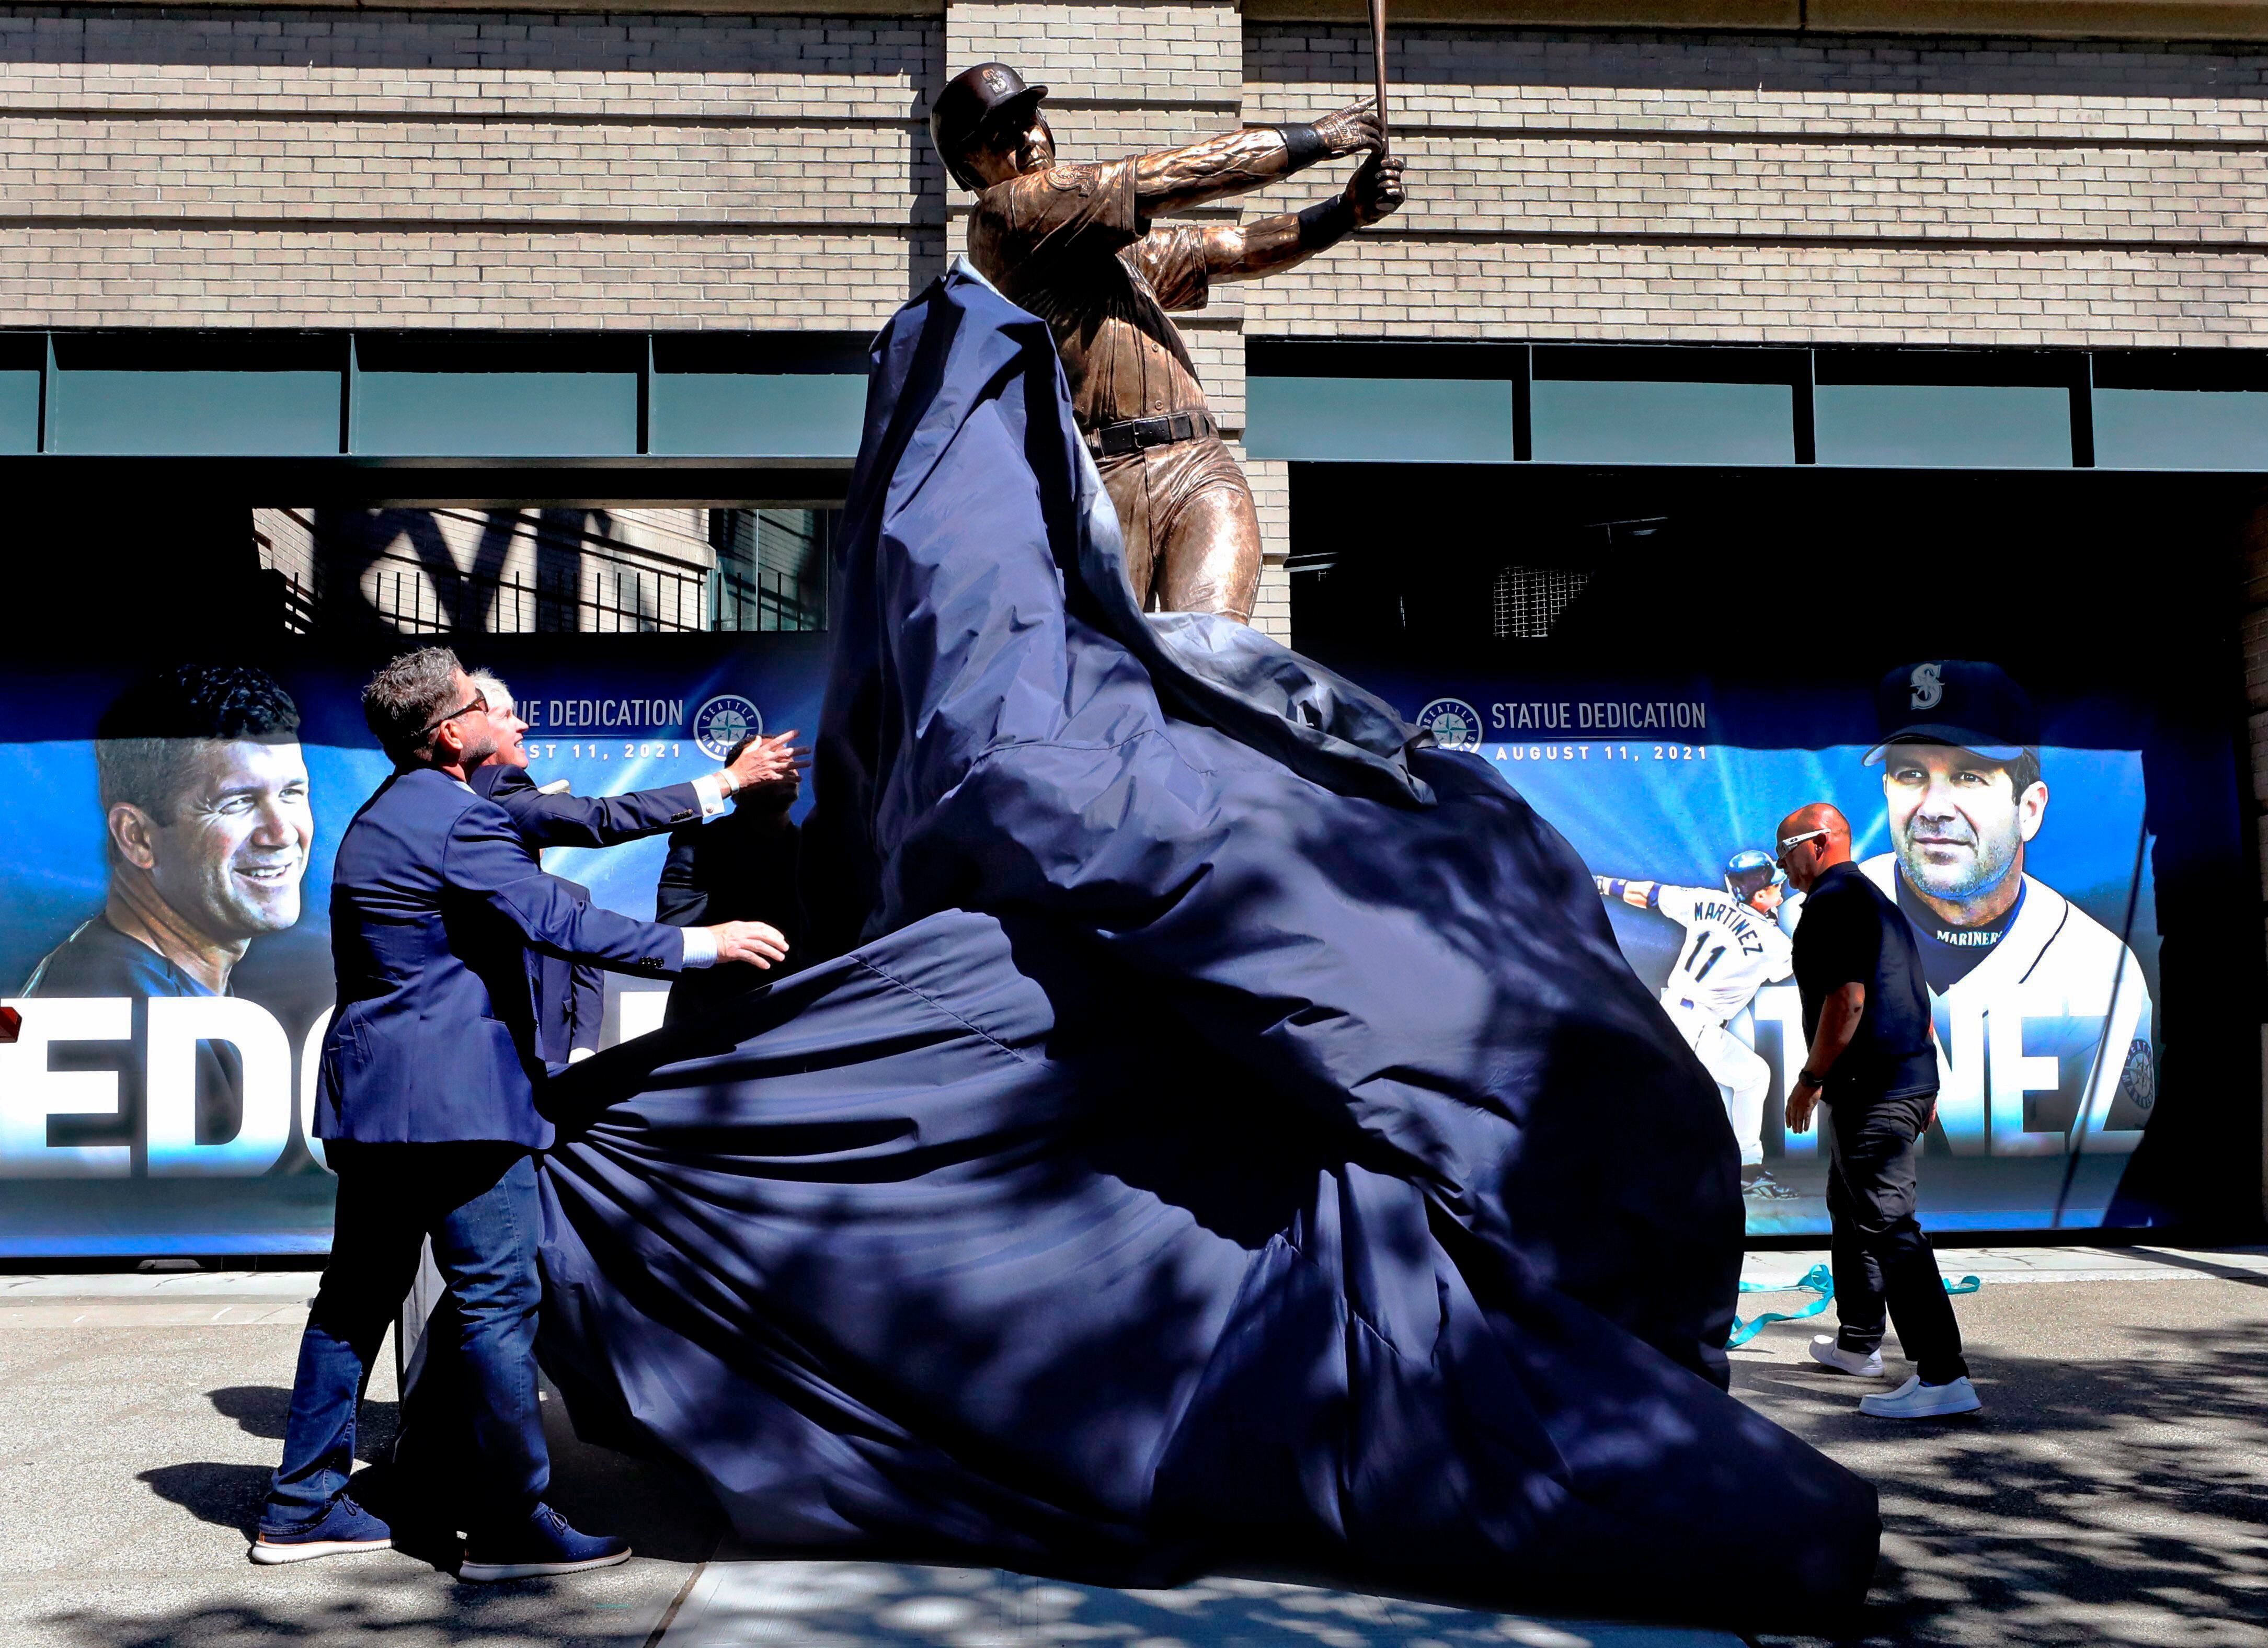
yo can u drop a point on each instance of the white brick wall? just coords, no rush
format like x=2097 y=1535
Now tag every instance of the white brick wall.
x=350 y=168
x=1755 y=188
x=343 y=166
x=158 y=276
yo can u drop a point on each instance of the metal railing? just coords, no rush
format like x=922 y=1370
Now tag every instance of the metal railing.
x=594 y=593
x=608 y=598
x=768 y=601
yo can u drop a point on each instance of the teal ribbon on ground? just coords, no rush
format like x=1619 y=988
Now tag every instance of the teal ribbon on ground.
x=1821 y=1281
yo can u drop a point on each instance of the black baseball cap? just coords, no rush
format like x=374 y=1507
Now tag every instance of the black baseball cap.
x=1971 y=706
x=972 y=101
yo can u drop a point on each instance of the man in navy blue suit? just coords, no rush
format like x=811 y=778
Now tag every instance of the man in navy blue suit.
x=426 y=1102
x=569 y=996
x=549 y=816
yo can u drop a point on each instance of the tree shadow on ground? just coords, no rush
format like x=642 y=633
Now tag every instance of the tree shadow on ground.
x=662 y=1509
x=260 y=1410
x=559 y=1615
x=2106 y=1500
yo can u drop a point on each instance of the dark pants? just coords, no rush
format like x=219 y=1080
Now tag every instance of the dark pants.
x=478 y=1202
x=1882 y=1257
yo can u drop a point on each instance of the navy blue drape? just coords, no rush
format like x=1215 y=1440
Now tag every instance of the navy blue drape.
x=1225 y=1129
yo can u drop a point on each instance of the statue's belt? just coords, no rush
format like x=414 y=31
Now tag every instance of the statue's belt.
x=1134 y=434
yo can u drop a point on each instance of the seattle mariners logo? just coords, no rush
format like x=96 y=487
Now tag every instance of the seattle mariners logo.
x=2137 y=1083
x=1454 y=723
x=723 y=722
x=1928 y=689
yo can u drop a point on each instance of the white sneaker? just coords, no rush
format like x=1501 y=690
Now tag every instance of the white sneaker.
x=1828 y=1354
x=1914 y=1400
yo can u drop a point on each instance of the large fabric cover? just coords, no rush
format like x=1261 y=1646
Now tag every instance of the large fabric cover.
x=1225 y=1132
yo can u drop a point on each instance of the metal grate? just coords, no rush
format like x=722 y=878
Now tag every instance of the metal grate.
x=1528 y=600
x=770 y=571
x=592 y=600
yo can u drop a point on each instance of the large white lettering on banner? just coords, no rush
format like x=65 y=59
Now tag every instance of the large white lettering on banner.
x=38 y=1088
x=30 y=1091
x=177 y=1024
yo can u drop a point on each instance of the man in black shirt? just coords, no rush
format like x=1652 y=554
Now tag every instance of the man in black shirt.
x=745 y=861
x=1873 y=1059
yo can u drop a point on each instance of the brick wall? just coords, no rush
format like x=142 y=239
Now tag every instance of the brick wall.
x=1772 y=186
x=337 y=167
x=348 y=168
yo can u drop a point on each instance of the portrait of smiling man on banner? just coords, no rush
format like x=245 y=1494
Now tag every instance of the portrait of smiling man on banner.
x=2042 y=1013
x=207 y=825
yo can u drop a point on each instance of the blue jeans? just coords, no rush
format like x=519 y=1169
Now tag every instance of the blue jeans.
x=478 y=1202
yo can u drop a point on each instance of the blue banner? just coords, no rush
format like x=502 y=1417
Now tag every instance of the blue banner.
x=166 y=934
x=2027 y=874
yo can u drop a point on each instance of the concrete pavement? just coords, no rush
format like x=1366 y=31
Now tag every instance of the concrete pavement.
x=2115 y=1489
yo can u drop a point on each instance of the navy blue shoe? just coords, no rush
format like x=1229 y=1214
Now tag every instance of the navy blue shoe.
x=344 y=1529
x=542 y=1546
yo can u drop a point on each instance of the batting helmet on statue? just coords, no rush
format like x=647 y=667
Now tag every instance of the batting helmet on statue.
x=972 y=101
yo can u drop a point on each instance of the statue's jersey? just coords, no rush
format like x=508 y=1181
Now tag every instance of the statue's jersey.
x=1069 y=244
x=1730 y=952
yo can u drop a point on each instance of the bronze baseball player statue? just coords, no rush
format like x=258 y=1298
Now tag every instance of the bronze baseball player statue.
x=1074 y=245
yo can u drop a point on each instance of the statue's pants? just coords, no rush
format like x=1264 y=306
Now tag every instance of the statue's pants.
x=1192 y=537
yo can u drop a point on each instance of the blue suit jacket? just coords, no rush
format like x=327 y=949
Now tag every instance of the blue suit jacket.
x=573 y=820
x=435 y=900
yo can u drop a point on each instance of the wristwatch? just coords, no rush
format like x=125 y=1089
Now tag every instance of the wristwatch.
x=1805 y=1078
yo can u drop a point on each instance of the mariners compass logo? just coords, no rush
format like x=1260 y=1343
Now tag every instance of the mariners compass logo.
x=723 y=722
x=1454 y=723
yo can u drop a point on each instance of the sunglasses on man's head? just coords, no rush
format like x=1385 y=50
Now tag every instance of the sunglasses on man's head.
x=1787 y=841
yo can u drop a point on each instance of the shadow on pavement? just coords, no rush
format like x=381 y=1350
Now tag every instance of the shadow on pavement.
x=665 y=1510
x=227 y=1496
x=441 y=1612
x=2090 y=1501
x=260 y=1410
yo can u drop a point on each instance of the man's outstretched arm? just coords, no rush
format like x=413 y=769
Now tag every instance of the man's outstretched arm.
x=1174 y=180
x=1250 y=250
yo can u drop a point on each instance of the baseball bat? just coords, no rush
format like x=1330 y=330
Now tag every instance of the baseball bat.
x=1378 y=63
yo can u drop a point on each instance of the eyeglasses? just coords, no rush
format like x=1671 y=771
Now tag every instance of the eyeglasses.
x=1787 y=842
x=480 y=702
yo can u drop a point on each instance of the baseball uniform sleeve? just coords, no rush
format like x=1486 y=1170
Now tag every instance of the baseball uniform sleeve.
x=1172 y=260
x=1676 y=902
x=1030 y=224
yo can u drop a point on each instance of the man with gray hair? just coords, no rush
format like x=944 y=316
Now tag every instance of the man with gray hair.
x=426 y=1100
x=551 y=816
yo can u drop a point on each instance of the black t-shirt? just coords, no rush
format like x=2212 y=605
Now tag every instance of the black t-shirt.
x=739 y=867
x=1852 y=933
